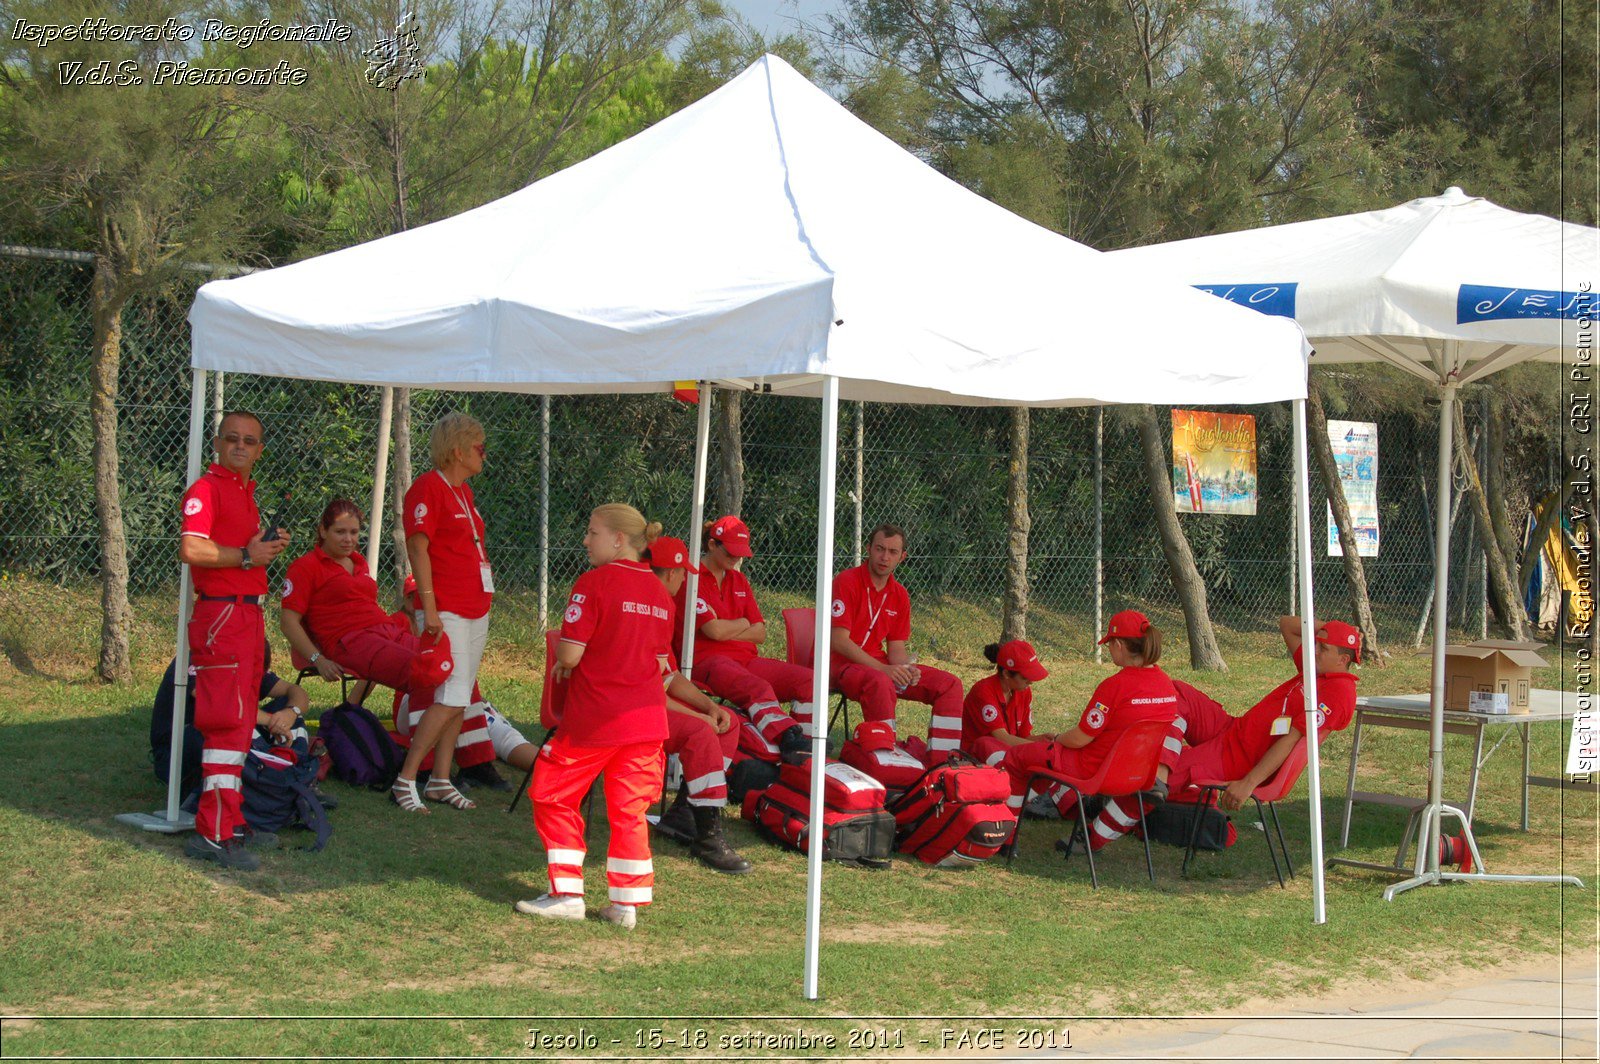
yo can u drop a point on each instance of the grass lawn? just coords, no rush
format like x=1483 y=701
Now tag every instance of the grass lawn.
x=411 y=918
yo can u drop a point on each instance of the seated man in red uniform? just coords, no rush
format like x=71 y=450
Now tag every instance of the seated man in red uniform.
x=1247 y=750
x=870 y=662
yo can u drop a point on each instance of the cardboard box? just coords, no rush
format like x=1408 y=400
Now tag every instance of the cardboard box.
x=1495 y=666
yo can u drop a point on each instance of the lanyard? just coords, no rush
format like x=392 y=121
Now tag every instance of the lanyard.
x=874 y=614
x=467 y=512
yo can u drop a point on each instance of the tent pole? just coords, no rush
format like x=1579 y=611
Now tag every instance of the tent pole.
x=861 y=473
x=218 y=403
x=544 y=513
x=1308 y=658
x=822 y=641
x=697 y=516
x=1099 y=528
x=377 y=517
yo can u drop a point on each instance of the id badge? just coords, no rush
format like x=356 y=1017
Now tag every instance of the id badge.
x=486 y=575
x=1280 y=726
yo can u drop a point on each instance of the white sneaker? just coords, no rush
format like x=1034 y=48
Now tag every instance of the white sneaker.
x=555 y=906
x=624 y=916
x=1042 y=807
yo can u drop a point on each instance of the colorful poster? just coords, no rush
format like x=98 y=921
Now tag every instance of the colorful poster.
x=1355 y=451
x=1213 y=462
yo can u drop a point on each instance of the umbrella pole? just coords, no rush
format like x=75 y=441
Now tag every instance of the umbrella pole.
x=820 y=667
x=697 y=516
x=1308 y=658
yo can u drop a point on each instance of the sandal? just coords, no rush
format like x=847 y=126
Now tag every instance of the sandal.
x=403 y=792
x=442 y=790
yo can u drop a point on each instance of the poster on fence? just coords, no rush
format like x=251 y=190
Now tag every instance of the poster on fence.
x=1213 y=462
x=1355 y=452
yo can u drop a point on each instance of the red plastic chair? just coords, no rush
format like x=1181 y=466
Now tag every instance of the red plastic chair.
x=550 y=705
x=799 y=648
x=1129 y=768
x=1276 y=788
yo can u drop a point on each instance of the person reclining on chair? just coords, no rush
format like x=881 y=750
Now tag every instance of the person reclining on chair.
x=1248 y=749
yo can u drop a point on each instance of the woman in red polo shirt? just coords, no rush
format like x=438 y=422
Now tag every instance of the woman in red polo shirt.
x=330 y=615
x=998 y=711
x=615 y=635
x=1137 y=691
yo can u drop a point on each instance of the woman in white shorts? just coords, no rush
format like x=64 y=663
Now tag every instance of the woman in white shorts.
x=445 y=540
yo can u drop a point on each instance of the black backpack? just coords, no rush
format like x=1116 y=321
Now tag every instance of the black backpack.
x=277 y=790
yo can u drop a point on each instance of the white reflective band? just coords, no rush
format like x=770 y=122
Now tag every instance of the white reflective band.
x=414 y=719
x=565 y=857
x=222 y=757
x=1014 y=801
x=709 y=803
x=1105 y=831
x=474 y=710
x=1182 y=725
x=801 y=710
x=996 y=757
x=727 y=763
x=945 y=722
x=709 y=780
x=1174 y=744
x=630 y=895
x=476 y=735
x=222 y=783
x=564 y=885
x=760 y=709
x=889 y=721
x=942 y=742
x=625 y=867
x=1119 y=816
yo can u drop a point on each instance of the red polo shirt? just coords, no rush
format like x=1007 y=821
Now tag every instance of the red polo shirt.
x=622 y=617
x=1251 y=735
x=221 y=507
x=1124 y=698
x=448 y=516
x=987 y=711
x=331 y=601
x=872 y=617
x=731 y=600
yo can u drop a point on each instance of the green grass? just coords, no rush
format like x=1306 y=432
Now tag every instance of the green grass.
x=411 y=917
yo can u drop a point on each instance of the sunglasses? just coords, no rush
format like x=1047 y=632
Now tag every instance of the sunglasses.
x=235 y=438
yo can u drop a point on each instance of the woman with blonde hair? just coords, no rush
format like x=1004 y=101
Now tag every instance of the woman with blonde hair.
x=445 y=541
x=615 y=634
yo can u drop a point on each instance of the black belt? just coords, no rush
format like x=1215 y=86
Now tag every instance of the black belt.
x=243 y=600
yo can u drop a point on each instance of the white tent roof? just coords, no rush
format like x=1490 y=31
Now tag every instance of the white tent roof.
x=762 y=233
x=1399 y=285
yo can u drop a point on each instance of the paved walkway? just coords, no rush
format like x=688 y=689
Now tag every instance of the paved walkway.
x=1541 y=1014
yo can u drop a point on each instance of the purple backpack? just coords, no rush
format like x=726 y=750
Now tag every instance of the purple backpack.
x=362 y=750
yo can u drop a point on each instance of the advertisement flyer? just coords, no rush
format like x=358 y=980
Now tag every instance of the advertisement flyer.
x=1213 y=462
x=1355 y=451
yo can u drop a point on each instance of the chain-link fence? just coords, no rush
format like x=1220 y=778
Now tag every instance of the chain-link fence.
x=939 y=471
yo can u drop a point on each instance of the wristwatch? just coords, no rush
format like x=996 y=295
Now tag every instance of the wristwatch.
x=245 y=561
x=313 y=659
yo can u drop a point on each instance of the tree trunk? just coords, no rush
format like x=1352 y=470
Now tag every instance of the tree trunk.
x=1203 y=650
x=730 y=443
x=1354 y=571
x=1494 y=479
x=402 y=478
x=1555 y=504
x=1512 y=616
x=1014 y=622
x=106 y=310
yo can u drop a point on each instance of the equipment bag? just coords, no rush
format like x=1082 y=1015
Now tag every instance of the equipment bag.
x=856 y=829
x=751 y=743
x=362 y=751
x=749 y=775
x=276 y=792
x=955 y=814
x=892 y=766
x=1171 y=822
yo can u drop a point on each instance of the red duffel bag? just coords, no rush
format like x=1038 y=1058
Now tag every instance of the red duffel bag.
x=955 y=815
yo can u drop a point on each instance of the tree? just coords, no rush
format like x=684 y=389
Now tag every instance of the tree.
x=1014 y=622
x=730 y=445
x=149 y=178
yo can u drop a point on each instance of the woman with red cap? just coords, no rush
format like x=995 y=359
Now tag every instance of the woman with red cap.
x=331 y=617
x=1137 y=691
x=729 y=631
x=998 y=711
x=615 y=635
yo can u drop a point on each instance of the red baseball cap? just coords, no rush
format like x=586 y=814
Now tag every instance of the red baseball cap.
x=1341 y=635
x=875 y=735
x=734 y=535
x=433 y=663
x=1019 y=656
x=667 y=552
x=1129 y=624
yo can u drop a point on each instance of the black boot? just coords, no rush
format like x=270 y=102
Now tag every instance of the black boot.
x=678 y=821
x=794 y=746
x=709 y=845
x=485 y=775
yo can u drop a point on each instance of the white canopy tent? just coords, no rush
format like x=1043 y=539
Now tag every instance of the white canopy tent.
x=1448 y=288
x=762 y=237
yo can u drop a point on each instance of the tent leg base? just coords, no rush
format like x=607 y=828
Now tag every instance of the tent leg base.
x=157 y=821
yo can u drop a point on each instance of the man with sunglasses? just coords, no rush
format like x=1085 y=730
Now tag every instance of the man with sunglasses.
x=227 y=551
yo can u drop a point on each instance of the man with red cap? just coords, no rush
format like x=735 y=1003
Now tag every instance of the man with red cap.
x=227 y=551
x=871 y=663
x=1249 y=748
x=729 y=631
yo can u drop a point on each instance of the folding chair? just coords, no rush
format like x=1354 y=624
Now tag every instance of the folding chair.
x=1271 y=792
x=1130 y=768
x=305 y=670
x=799 y=643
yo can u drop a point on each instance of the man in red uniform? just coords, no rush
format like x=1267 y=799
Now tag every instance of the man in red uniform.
x=221 y=542
x=870 y=662
x=1249 y=748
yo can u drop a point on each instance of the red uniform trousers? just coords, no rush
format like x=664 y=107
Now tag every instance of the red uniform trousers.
x=562 y=775
x=757 y=686
x=876 y=694
x=383 y=654
x=1121 y=815
x=1202 y=722
x=705 y=756
x=227 y=641
x=989 y=751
